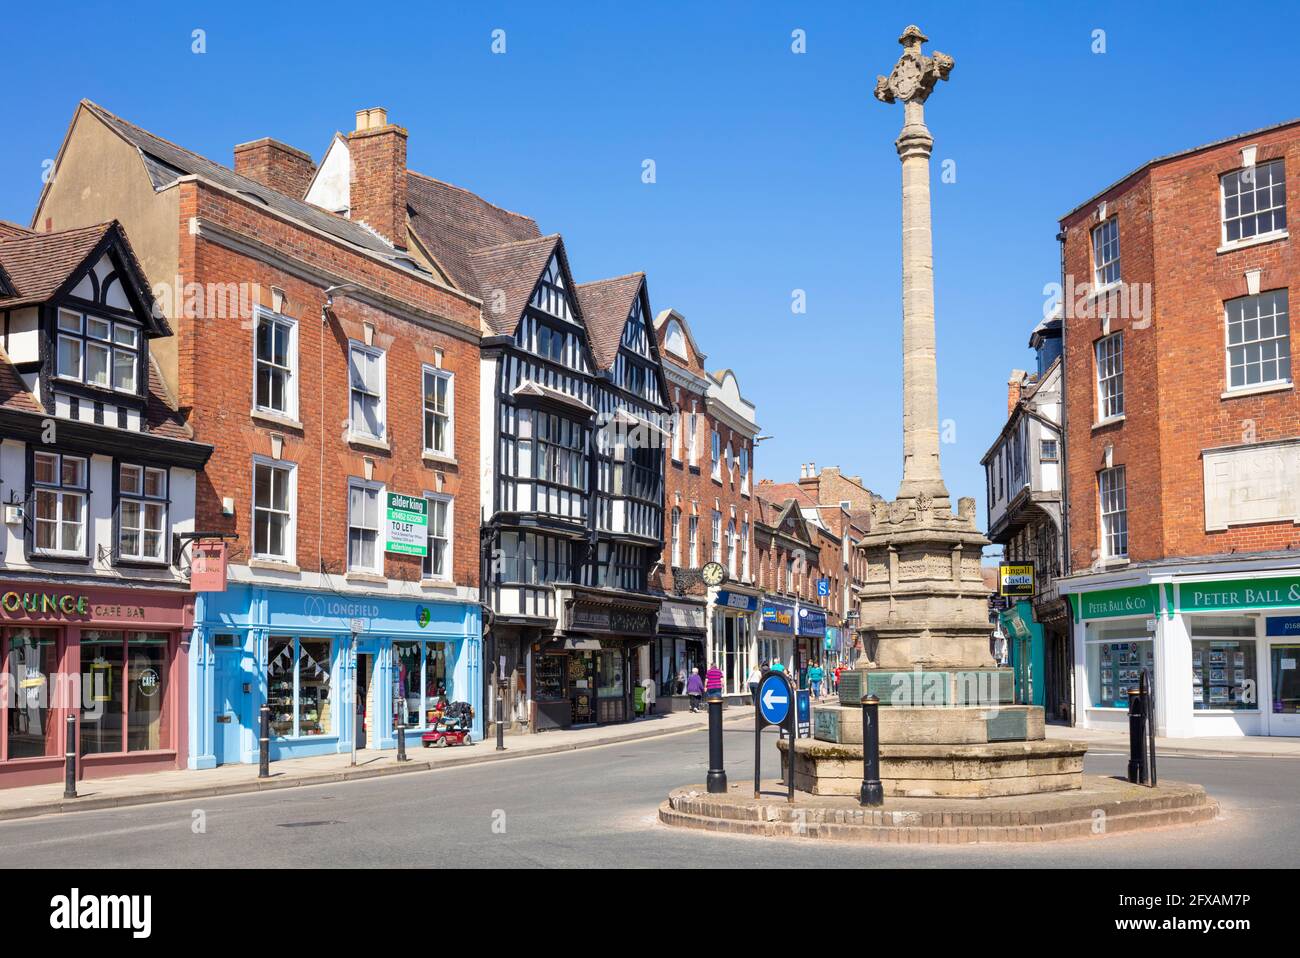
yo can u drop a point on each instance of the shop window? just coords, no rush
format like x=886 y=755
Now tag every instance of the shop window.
x=142 y=513
x=1224 y=666
x=298 y=686
x=30 y=658
x=124 y=699
x=1286 y=679
x=1116 y=657
x=59 y=487
x=420 y=689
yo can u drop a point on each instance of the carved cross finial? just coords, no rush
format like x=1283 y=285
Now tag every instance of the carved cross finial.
x=914 y=74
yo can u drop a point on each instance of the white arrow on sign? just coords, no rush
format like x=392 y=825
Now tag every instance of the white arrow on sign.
x=770 y=696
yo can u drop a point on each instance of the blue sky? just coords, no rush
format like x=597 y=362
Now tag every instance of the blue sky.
x=775 y=171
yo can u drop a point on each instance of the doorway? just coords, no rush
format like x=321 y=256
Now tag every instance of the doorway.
x=227 y=702
x=364 y=675
x=1284 y=685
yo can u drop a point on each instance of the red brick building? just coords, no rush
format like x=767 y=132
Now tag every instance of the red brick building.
x=710 y=511
x=1183 y=438
x=336 y=374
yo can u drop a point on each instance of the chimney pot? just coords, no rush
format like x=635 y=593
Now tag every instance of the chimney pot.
x=377 y=189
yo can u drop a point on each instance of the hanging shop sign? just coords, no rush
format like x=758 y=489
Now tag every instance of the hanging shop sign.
x=208 y=568
x=1016 y=578
x=406 y=524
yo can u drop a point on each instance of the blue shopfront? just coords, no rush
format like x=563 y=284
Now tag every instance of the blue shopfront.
x=337 y=670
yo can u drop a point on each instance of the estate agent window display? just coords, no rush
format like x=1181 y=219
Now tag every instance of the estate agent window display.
x=1116 y=656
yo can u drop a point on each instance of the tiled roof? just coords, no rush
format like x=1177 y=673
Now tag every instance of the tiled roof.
x=8 y=229
x=453 y=224
x=13 y=391
x=512 y=269
x=606 y=304
x=37 y=264
x=160 y=418
x=166 y=162
x=779 y=492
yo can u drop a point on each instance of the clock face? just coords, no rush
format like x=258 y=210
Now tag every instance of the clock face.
x=713 y=573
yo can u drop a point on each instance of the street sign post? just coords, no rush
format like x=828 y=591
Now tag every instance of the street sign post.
x=775 y=706
x=803 y=712
x=823 y=587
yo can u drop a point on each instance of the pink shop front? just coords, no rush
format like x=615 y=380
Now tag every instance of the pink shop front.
x=112 y=657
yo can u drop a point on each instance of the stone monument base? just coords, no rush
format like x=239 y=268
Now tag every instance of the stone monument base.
x=918 y=770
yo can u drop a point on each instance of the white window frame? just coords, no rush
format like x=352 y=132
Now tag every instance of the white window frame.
x=1110 y=377
x=693 y=527
x=355 y=429
x=1102 y=240
x=744 y=469
x=448 y=538
x=60 y=493
x=1112 y=506
x=1244 y=344
x=1277 y=232
x=291 y=370
x=744 y=550
x=142 y=499
x=715 y=454
x=291 y=501
x=109 y=344
x=377 y=566
x=677 y=425
x=733 y=553
x=715 y=529
x=449 y=378
x=676 y=536
x=693 y=426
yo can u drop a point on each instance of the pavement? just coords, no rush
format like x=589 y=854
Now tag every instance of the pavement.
x=179 y=784
x=1254 y=746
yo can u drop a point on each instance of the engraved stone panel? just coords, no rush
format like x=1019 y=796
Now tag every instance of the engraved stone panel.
x=1249 y=484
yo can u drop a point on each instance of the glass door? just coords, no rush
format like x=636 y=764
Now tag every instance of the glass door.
x=1284 y=673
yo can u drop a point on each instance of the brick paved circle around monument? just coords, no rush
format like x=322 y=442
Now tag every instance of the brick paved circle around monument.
x=1104 y=806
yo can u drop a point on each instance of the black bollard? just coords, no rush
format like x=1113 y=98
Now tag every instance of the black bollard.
x=264 y=744
x=70 y=758
x=716 y=781
x=873 y=793
x=1148 y=696
x=501 y=725
x=1137 y=732
x=401 y=741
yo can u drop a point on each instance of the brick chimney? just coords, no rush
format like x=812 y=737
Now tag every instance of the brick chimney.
x=809 y=481
x=378 y=187
x=275 y=165
x=1014 y=385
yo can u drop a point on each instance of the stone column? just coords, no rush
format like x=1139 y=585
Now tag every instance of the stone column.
x=911 y=81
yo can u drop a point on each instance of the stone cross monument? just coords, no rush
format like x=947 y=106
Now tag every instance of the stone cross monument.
x=924 y=605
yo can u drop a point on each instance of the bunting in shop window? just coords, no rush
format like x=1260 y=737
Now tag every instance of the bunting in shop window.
x=276 y=666
x=318 y=670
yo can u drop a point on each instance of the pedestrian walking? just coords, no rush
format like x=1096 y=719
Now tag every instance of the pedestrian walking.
x=695 y=688
x=713 y=680
x=755 y=676
x=681 y=681
x=815 y=680
x=648 y=684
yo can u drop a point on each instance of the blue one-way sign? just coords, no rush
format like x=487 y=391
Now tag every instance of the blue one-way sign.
x=774 y=700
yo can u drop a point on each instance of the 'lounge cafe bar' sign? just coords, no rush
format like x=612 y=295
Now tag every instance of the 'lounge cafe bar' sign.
x=44 y=603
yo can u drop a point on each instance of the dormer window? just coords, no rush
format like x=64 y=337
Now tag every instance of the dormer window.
x=98 y=352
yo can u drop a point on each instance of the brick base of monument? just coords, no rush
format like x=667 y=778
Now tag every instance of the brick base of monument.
x=919 y=770
x=1101 y=806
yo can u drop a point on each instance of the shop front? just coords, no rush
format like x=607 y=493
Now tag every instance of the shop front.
x=811 y=634
x=733 y=617
x=776 y=634
x=112 y=657
x=337 y=671
x=1222 y=653
x=678 y=648
x=589 y=671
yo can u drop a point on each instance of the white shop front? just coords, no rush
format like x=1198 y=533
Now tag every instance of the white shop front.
x=1220 y=644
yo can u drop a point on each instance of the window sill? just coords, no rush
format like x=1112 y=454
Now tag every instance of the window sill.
x=268 y=418
x=370 y=578
x=1221 y=712
x=437 y=584
x=1101 y=291
x=1114 y=563
x=369 y=442
x=270 y=565
x=1112 y=421
x=129 y=563
x=64 y=557
x=1257 y=390
x=438 y=459
x=1261 y=240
